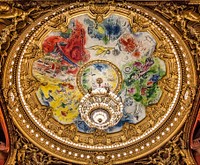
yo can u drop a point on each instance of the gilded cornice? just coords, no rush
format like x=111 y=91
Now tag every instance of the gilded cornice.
x=183 y=16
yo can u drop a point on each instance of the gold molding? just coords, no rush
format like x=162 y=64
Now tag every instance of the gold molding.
x=11 y=33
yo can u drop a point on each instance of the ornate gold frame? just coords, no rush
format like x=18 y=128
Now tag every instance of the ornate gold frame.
x=96 y=12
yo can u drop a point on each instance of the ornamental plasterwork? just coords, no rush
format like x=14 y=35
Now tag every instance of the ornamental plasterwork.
x=73 y=67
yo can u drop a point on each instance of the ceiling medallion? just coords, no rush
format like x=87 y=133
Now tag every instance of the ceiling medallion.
x=99 y=73
x=92 y=86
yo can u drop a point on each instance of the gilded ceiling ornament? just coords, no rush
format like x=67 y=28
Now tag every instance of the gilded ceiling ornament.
x=70 y=53
x=187 y=20
x=174 y=152
x=26 y=152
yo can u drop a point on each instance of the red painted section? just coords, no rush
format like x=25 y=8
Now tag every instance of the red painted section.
x=72 y=47
x=3 y=125
x=197 y=158
x=195 y=139
x=4 y=146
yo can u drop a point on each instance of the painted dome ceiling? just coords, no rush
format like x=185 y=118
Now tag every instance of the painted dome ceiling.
x=96 y=84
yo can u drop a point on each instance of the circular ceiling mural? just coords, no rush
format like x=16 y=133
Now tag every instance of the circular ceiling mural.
x=89 y=85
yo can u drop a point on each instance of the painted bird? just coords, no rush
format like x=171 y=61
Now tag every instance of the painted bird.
x=101 y=49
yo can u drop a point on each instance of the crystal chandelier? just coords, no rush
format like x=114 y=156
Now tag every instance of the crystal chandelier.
x=101 y=108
